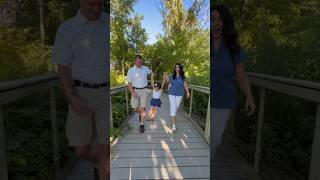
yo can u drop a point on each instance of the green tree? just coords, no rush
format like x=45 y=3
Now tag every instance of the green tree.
x=127 y=36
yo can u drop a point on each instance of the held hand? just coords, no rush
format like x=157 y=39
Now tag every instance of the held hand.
x=134 y=94
x=77 y=106
x=188 y=95
x=165 y=76
x=249 y=106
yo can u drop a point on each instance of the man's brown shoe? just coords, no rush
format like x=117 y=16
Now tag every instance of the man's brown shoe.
x=141 y=128
x=96 y=173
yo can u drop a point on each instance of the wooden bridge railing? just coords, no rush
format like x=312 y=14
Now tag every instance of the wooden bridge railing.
x=115 y=90
x=307 y=90
x=15 y=90
x=205 y=90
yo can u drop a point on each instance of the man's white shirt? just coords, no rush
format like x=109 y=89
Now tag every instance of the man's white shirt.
x=138 y=77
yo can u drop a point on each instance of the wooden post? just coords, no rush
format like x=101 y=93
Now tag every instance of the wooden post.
x=54 y=126
x=256 y=165
x=42 y=32
x=191 y=99
x=3 y=154
x=314 y=172
x=111 y=119
x=127 y=106
x=122 y=67
x=182 y=103
x=207 y=127
x=51 y=67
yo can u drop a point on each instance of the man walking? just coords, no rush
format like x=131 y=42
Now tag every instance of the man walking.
x=80 y=51
x=137 y=78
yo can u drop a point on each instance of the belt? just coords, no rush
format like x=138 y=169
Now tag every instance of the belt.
x=140 y=88
x=89 y=85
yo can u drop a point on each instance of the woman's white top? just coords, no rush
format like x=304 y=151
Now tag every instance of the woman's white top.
x=156 y=95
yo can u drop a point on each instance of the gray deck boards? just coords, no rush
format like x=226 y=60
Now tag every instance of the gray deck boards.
x=159 y=154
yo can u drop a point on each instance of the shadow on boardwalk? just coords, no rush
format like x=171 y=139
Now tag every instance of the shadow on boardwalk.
x=159 y=154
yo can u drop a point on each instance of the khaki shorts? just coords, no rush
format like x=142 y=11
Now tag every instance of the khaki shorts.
x=81 y=130
x=141 y=101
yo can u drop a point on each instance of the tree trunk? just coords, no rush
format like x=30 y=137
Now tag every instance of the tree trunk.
x=122 y=67
x=12 y=6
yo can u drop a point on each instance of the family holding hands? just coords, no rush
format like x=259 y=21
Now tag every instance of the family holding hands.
x=137 y=78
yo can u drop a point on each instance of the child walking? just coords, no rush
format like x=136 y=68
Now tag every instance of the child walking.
x=155 y=101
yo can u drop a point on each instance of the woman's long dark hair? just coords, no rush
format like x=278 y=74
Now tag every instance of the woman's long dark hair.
x=181 y=73
x=229 y=33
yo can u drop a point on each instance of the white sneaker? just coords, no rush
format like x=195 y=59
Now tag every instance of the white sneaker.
x=174 y=129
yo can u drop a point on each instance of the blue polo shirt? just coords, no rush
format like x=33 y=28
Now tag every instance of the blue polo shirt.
x=176 y=88
x=223 y=84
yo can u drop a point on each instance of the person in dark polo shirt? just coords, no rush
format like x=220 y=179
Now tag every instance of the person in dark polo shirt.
x=228 y=71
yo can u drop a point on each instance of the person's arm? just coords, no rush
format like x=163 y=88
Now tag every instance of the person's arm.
x=163 y=81
x=244 y=85
x=64 y=73
x=62 y=57
x=166 y=78
x=130 y=87
x=185 y=85
x=149 y=74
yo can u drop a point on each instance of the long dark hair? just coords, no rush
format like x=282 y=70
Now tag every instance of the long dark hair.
x=181 y=73
x=229 y=33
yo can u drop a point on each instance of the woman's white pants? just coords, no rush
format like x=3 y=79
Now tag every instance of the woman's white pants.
x=174 y=104
x=220 y=119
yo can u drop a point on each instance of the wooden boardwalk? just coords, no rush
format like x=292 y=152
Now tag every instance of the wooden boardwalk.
x=159 y=154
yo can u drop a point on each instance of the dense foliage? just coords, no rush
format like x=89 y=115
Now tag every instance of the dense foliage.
x=184 y=41
x=28 y=131
x=280 y=38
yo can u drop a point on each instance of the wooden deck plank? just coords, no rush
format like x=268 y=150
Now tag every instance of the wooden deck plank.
x=164 y=135
x=159 y=154
x=142 y=140
x=163 y=127
x=164 y=146
x=159 y=162
x=161 y=172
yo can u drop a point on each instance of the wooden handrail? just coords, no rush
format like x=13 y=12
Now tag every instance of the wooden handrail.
x=307 y=90
x=11 y=91
x=205 y=90
x=295 y=82
x=14 y=90
x=20 y=83
x=115 y=90
x=202 y=89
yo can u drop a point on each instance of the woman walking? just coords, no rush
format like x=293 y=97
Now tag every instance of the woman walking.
x=228 y=68
x=177 y=83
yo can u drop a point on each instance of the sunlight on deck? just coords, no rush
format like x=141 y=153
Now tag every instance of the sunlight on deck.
x=158 y=153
